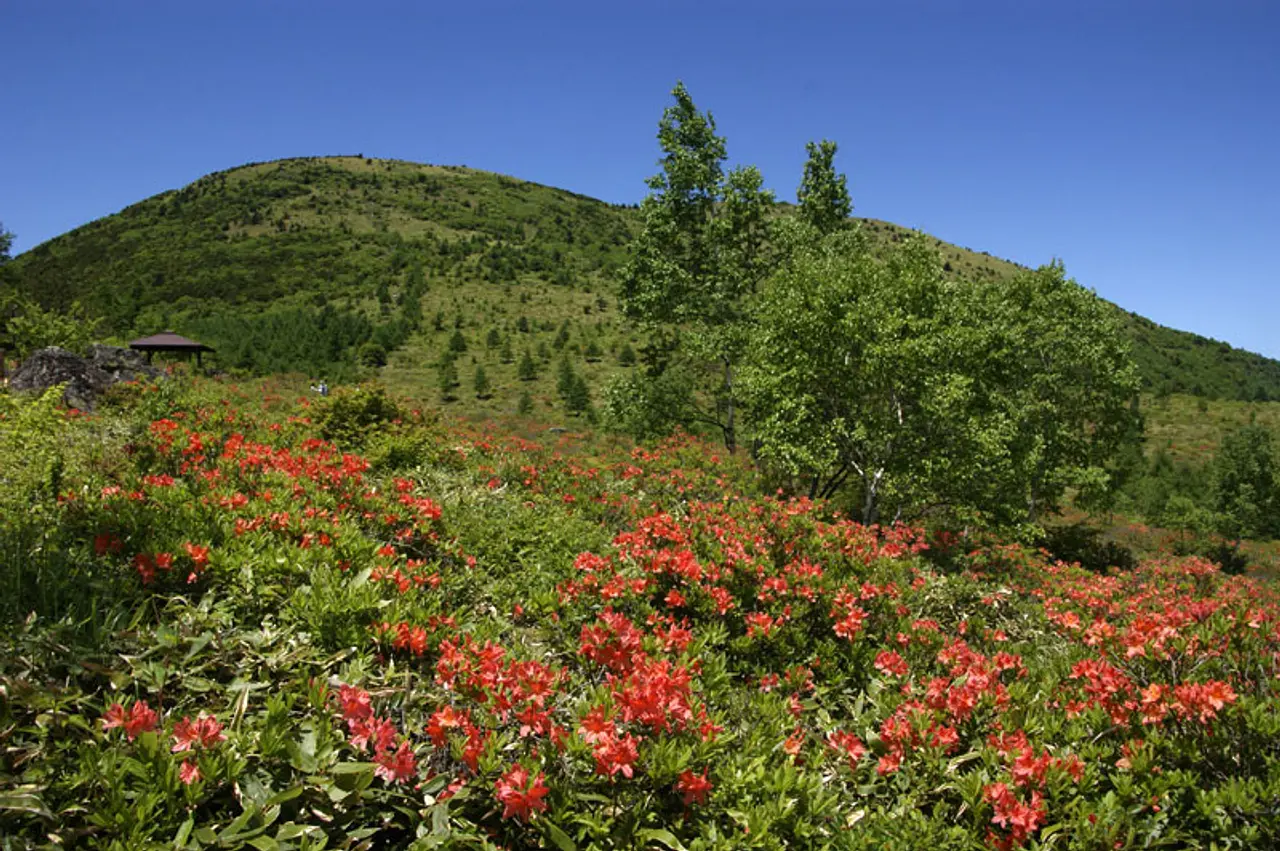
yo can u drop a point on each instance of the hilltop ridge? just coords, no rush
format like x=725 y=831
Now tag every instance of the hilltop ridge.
x=331 y=244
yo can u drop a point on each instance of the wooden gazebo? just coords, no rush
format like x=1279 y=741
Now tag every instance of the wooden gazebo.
x=167 y=341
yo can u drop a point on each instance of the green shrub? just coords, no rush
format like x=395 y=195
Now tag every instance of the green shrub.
x=349 y=416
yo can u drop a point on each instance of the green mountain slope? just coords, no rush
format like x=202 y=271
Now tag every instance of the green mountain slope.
x=310 y=264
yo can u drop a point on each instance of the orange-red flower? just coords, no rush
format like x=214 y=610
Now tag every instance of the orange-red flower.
x=521 y=797
x=141 y=718
x=396 y=766
x=204 y=732
x=693 y=788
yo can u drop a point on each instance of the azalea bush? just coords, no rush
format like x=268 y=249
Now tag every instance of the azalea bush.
x=479 y=640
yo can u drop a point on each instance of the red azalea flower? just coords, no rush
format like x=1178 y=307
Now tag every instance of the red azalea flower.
x=848 y=744
x=693 y=788
x=888 y=662
x=204 y=732
x=145 y=566
x=617 y=755
x=199 y=555
x=140 y=719
x=520 y=797
x=443 y=720
x=190 y=772
x=596 y=728
x=396 y=766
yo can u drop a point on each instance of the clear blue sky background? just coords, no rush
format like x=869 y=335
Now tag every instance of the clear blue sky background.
x=1138 y=140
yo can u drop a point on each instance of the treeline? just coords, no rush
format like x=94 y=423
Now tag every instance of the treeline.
x=1236 y=495
x=323 y=342
x=1181 y=362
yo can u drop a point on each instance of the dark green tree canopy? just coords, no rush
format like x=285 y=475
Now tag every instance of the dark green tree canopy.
x=1246 y=487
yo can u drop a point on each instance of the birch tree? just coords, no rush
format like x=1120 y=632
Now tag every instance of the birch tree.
x=700 y=256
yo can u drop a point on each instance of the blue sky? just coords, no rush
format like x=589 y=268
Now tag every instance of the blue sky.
x=1137 y=140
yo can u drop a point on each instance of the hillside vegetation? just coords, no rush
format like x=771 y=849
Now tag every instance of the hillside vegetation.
x=322 y=264
x=238 y=617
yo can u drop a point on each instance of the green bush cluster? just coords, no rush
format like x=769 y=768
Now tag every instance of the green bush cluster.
x=352 y=416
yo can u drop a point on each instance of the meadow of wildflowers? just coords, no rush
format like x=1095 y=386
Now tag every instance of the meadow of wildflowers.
x=442 y=636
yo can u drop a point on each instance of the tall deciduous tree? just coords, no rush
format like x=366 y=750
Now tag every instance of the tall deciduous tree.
x=1059 y=376
x=876 y=376
x=700 y=254
x=824 y=193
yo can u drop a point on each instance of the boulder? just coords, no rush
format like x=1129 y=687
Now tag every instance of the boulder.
x=122 y=364
x=85 y=377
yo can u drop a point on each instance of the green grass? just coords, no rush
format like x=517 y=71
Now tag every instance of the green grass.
x=1190 y=429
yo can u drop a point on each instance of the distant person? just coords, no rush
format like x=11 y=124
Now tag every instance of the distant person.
x=324 y=387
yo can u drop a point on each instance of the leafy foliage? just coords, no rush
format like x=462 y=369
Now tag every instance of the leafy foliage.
x=1246 y=489
x=352 y=416
x=823 y=196
x=28 y=327
x=245 y=637
x=700 y=255
x=926 y=395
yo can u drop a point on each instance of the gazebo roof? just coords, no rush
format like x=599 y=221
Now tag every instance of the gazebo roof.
x=167 y=341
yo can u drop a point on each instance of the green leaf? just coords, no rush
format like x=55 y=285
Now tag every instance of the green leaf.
x=26 y=803
x=292 y=830
x=665 y=837
x=560 y=838
x=282 y=796
x=184 y=832
x=352 y=768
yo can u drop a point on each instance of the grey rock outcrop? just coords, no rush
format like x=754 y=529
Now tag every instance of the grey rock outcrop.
x=85 y=377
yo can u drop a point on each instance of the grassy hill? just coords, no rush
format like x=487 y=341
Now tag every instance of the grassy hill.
x=315 y=264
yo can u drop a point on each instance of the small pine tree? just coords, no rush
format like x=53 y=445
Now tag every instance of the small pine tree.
x=522 y=325
x=527 y=370
x=448 y=379
x=544 y=354
x=415 y=283
x=482 y=386
x=593 y=352
x=372 y=354
x=411 y=310
x=565 y=380
x=562 y=337
x=525 y=406
x=626 y=357
x=457 y=343
x=506 y=355
x=578 y=399
x=438 y=324
x=493 y=340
